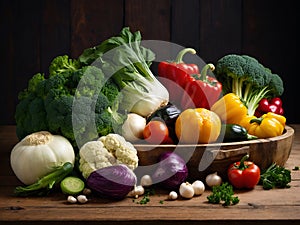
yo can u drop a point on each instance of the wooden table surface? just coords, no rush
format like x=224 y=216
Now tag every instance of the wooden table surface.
x=257 y=206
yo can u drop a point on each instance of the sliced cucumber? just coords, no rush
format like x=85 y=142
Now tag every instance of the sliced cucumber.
x=72 y=185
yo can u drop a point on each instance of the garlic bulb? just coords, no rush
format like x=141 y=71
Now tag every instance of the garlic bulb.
x=37 y=154
x=199 y=187
x=213 y=179
x=186 y=190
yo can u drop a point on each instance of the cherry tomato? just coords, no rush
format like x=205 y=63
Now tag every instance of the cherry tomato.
x=156 y=132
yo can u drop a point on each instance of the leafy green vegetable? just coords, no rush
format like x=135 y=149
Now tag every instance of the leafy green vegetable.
x=44 y=185
x=275 y=177
x=123 y=58
x=90 y=96
x=66 y=101
x=223 y=194
x=244 y=76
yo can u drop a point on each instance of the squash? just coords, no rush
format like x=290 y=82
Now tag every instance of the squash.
x=38 y=154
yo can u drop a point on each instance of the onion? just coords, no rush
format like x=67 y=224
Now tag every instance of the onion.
x=133 y=127
x=213 y=179
x=171 y=170
x=113 y=181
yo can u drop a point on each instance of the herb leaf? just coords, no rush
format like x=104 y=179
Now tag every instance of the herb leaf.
x=223 y=194
x=275 y=177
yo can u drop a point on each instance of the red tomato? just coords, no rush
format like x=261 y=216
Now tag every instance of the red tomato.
x=156 y=132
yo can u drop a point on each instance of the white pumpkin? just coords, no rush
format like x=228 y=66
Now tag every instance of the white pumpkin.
x=37 y=154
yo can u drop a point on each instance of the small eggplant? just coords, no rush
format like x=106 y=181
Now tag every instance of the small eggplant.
x=235 y=132
x=167 y=114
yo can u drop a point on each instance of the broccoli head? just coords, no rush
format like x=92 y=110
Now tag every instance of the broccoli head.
x=77 y=104
x=246 y=77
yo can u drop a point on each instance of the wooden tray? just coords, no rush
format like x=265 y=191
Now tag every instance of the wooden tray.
x=203 y=159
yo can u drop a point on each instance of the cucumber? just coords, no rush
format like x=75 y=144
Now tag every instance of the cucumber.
x=72 y=185
x=235 y=132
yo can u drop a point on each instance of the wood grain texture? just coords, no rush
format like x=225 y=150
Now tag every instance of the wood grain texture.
x=152 y=18
x=32 y=33
x=94 y=21
x=220 y=28
x=257 y=206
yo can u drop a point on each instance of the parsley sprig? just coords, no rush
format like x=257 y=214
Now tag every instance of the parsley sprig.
x=146 y=197
x=275 y=177
x=223 y=194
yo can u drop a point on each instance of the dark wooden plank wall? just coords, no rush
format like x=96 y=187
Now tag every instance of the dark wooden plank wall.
x=34 y=32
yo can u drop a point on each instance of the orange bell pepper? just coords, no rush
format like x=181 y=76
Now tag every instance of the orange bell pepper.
x=198 y=125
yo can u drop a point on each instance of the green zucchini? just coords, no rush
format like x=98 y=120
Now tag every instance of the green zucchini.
x=235 y=132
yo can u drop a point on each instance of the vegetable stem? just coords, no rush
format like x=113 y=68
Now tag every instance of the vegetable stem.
x=43 y=185
x=242 y=165
x=179 y=58
x=204 y=70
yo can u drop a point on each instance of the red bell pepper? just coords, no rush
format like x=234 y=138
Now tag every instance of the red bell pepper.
x=187 y=87
x=176 y=74
x=273 y=105
x=202 y=91
x=243 y=174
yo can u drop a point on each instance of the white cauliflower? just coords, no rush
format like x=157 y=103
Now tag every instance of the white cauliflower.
x=108 y=150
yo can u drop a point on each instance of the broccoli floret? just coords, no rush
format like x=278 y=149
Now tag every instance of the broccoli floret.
x=244 y=76
x=90 y=81
x=33 y=84
x=37 y=108
x=276 y=85
x=111 y=91
x=62 y=64
x=30 y=116
x=57 y=111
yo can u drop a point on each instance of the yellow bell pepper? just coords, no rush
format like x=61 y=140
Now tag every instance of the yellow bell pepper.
x=230 y=109
x=198 y=125
x=266 y=126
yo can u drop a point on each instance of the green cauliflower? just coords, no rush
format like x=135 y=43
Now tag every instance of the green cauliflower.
x=108 y=150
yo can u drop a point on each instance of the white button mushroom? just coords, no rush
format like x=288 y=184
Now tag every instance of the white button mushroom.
x=82 y=199
x=71 y=199
x=173 y=195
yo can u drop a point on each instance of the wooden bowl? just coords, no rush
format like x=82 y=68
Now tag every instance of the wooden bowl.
x=203 y=159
